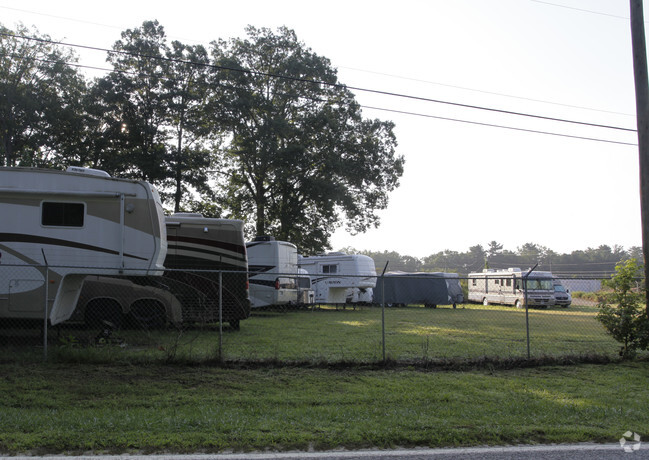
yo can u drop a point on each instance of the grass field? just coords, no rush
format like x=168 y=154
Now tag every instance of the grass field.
x=82 y=408
x=330 y=335
x=168 y=391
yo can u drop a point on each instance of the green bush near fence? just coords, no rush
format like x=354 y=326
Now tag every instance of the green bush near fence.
x=336 y=335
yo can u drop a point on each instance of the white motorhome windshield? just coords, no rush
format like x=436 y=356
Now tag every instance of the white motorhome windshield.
x=535 y=284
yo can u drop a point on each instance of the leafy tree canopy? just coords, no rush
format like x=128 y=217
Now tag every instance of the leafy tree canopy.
x=301 y=157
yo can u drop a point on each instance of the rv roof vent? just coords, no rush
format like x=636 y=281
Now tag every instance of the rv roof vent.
x=264 y=238
x=488 y=270
x=514 y=269
x=187 y=214
x=336 y=254
x=92 y=172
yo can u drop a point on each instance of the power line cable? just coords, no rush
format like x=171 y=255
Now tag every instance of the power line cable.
x=491 y=125
x=336 y=85
x=494 y=93
x=580 y=9
x=383 y=73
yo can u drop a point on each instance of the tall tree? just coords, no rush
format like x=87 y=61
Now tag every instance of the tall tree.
x=155 y=100
x=186 y=90
x=135 y=91
x=40 y=99
x=301 y=158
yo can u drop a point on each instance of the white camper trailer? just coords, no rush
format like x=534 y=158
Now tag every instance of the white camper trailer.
x=507 y=287
x=336 y=275
x=77 y=222
x=273 y=272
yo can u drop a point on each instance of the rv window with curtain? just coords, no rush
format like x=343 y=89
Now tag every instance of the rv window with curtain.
x=62 y=214
x=329 y=268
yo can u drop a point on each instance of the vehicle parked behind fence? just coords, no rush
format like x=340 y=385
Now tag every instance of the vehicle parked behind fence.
x=507 y=287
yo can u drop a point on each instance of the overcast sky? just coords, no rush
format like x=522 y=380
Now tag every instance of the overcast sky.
x=464 y=183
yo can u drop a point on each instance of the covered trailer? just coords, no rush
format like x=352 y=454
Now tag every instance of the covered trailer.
x=426 y=288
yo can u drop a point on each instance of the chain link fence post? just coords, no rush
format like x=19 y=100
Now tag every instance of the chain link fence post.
x=527 y=315
x=383 y=310
x=45 y=308
x=220 y=316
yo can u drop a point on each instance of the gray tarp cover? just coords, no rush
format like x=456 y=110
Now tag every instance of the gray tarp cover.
x=436 y=288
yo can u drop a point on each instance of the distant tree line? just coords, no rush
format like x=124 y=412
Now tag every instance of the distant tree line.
x=256 y=128
x=595 y=262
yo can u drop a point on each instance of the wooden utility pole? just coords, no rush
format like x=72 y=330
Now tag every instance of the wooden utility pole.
x=642 y=114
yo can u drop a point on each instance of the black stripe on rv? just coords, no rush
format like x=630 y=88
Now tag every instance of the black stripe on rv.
x=203 y=251
x=33 y=239
x=232 y=247
x=270 y=283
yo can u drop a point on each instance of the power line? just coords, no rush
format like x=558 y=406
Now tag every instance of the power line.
x=335 y=85
x=494 y=93
x=491 y=125
x=580 y=9
x=391 y=75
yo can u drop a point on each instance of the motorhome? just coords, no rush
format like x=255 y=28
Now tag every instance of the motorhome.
x=58 y=227
x=273 y=272
x=201 y=253
x=562 y=295
x=335 y=273
x=507 y=287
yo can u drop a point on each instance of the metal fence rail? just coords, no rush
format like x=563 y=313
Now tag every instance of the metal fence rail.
x=201 y=316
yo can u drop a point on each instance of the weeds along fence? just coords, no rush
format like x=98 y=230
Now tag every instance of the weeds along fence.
x=205 y=316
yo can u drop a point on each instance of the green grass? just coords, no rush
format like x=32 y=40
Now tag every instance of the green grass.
x=329 y=335
x=63 y=408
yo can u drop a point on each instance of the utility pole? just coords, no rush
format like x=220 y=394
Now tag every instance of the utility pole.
x=642 y=114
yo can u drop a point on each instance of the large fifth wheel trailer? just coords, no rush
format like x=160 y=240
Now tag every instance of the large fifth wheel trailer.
x=58 y=227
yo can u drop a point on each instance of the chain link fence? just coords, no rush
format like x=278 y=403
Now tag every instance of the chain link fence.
x=206 y=316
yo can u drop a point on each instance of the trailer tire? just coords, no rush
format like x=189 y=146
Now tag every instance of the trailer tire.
x=101 y=311
x=485 y=302
x=148 y=314
x=518 y=304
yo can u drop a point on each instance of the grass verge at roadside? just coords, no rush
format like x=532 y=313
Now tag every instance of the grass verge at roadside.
x=73 y=409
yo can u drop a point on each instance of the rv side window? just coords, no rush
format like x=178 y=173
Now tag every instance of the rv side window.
x=62 y=214
x=475 y=282
x=509 y=282
x=329 y=268
x=497 y=281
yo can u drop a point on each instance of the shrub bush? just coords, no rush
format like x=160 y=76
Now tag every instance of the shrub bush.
x=622 y=311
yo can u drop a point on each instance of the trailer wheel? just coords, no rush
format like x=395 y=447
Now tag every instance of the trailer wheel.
x=101 y=311
x=485 y=302
x=148 y=314
x=518 y=304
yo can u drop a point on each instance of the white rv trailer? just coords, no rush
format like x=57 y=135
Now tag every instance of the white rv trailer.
x=335 y=275
x=76 y=222
x=507 y=287
x=273 y=272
